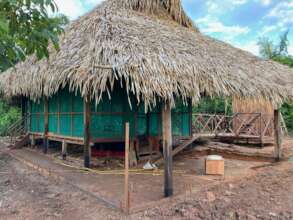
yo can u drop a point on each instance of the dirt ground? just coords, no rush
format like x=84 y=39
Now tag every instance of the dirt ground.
x=265 y=193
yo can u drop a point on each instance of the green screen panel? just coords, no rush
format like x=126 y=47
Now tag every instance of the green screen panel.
x=180 y=124
x=65 y=101
x=107 y=126
x=141 y=125
x=53 y=124
x=77 y=128
x=53 y=104
x=77 y=103
x=186 y=124
x=65 y=125
x=155 y=124
x=34 y=123
x=41 y=127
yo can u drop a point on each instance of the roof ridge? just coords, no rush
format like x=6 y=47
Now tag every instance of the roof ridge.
x=172 y=7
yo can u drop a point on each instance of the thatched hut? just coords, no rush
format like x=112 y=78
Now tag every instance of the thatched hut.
x=135 y=60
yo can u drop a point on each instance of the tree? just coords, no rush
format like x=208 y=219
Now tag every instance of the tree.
x=269 y=50
x=27 y=28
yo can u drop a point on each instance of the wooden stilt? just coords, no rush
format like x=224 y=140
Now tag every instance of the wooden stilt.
x=278 y=135
x=87 y=150
x=64 y=150
x=190 y=116
x=126 y=176
x=167 y=149
x=46 y=126
x=33 y=140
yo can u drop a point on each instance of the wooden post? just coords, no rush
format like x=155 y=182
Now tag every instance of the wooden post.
x=190 y=116
x=23 y=112
x=86 y=116
x=126 y=176
x=46 y=126
x=167 y=149
x=33 y=141
x=64 y=150
x=278 y=135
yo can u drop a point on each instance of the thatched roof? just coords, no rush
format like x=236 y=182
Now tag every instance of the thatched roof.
x=155 y=50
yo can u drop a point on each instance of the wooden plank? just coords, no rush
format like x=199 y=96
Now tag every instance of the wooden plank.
x=86 y=133
x=126 y=174
x=278 y=135
x=167 y=149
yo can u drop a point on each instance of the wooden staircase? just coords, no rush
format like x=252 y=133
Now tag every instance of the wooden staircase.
x=180 y=148
x=17 y=133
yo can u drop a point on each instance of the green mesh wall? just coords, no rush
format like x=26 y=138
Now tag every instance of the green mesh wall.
x=108 y=118
x=66 y=114
x=180 y=120
x=36 y=109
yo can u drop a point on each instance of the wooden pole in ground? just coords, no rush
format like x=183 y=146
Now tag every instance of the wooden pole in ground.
x=126 y=177
x=278 y=135
x=46 y=125
x=86 y=133
x=64 y=150
x=167 y=149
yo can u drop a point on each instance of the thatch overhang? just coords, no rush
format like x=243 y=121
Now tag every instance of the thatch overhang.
x=156 y=51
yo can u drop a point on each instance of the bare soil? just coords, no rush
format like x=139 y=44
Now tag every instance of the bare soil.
x=264 y=191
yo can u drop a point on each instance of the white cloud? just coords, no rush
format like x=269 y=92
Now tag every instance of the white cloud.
x=239 y=2
x=75 y=8
x=222 y=6
x=94 y=2
x=268 y=29
x=210 y=25
x=284 y=12
x=290 y=50
x=265 y=2
x=251 y=47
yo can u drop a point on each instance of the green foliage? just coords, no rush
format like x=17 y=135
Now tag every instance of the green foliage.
x=26 y=28
x=269 y=50
x=285 y=60
x=214 y=106
x=287 y=111
x=9 y=115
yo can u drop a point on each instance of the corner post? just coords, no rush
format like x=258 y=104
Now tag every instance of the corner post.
x=278 y=135
x=86 y=133
x=167 y=149
x=46 y=126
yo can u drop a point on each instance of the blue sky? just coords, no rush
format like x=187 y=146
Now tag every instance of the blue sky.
x=238 y=22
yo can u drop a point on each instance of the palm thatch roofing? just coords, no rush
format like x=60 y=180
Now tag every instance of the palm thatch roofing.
x=156 y=51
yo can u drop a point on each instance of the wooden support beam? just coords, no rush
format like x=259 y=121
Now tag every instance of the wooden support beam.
x=278 y=135
x=126 y=176
x=32 y=140
x=64 y=149
x=46 y=125
x=86 y=133
x=167 y=149
x=190 y=116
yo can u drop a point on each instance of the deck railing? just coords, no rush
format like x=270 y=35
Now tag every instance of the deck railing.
x=251 y=124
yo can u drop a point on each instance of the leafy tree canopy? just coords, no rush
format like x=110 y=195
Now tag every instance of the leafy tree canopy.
x=26 y=28
x=277 y=52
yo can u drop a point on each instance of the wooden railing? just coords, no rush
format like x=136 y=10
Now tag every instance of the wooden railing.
x=250 y=124
x=17 y=128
